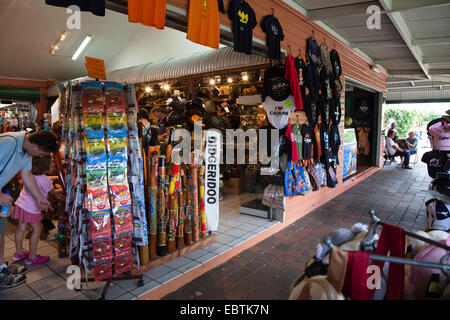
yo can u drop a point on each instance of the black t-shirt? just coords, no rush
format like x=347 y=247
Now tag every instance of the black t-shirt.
x=274 y=32
x=275 y=84
x=335 y=110
x=311 y=110
x=324 y=108
x=312 y=52
x=307 y=134
x=363 y=113
x=97 y=7
x=334 y=139
x=325 y=83
x=313 y=81
x=244 y=21
x=221 y=6
x=300 y=66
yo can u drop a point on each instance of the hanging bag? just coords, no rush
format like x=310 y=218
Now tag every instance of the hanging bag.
x=294 y=179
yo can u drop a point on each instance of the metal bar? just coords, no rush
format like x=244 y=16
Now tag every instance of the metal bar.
x=410 y=262
x=410 y=234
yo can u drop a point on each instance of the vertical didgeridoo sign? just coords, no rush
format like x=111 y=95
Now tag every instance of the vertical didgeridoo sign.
x=212 y=171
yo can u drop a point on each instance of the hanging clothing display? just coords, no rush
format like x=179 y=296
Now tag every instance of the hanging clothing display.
x=275 y=84
x=221 y=6
x=335 y=140
x=325 y=58
x=324 y=110
x=292 y=77
x=278 y=111
x=440 y=132
x=317 y=143
x=204 y=23
x=298 y=138
x=313 y=52
x=97 y=7
x=244 y=21
x=363 y=113
x=336 y=64
x=313 y=81
x=300 y=66
x=148 y=13
x=274 y=35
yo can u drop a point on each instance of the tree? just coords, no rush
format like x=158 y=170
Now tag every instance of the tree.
x=404 y=120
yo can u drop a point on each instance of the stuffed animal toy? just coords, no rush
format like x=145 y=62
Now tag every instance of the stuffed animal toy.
x=315 y=288
x=338 y=238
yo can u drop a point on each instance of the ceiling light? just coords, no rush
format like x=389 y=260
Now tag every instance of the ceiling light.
x=148 y=89
x=212 y=82
x=245 y=77
x=230 y=80
x=166 y=87
x=81 y=47
x=56 y=47
x=62 y=37
x=375 y=69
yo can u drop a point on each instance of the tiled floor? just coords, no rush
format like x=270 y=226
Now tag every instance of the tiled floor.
x=267 y=270
x=48 y=282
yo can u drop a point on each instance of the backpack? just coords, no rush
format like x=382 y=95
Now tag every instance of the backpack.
x=438 y=215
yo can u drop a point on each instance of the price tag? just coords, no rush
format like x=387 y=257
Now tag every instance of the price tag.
x=95 y=68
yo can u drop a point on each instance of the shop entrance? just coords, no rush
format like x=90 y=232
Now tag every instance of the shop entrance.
x=362 y=128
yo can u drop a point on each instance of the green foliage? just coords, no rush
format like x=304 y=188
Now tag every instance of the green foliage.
x=406 y=119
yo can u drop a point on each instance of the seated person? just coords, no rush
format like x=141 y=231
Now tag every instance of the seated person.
x=394 y=150
x=412 y=141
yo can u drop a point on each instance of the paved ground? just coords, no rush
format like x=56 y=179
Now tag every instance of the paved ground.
x=266 y=270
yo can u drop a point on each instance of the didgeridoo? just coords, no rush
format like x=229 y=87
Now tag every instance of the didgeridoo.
x=195 y=217
x=153 y=194
x=144 y=250
x=172 y=213
x=188 y=214
x=161 y=248
x=201 y=188
x=181 y=205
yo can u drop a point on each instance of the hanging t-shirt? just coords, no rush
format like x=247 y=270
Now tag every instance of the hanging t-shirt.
x=274 y=33
x=313 y=81
x=307 y=141
x=300 y=66
x=97 y=7
x=312 y=110
x=324 y=108
x=148 y=13
x=275 y=84
x=204 y=23
x=335 y=139
x=335 y=111
x=244 y=21
x=325 y=83
x=297 y=131
x=278 y=111
x=290 y=135
x=312 y=52
x=292 y=77
x=221 y=6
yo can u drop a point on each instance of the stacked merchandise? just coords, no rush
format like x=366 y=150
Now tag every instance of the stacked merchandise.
x=16 y=118
x=106 y=221
x=344 y=265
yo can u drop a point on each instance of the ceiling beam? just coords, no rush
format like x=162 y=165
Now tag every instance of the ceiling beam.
x=402 y=28
x=356 y=9
x=401 y=5
x=440 y=71
x=395 y=61
x=431 y=41
x=436 y=60
x=378 y=44
x=411 y=73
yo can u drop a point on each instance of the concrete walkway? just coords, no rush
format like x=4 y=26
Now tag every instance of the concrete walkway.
x=266 y=270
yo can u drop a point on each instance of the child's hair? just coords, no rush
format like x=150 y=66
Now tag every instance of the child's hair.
x=40 y=165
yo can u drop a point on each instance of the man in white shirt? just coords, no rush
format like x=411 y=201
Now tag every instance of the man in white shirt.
x=394 y=150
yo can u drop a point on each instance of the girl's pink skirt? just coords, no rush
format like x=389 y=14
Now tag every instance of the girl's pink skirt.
x=25 y=216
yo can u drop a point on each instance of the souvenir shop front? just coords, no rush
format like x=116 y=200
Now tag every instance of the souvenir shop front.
x=131 y=206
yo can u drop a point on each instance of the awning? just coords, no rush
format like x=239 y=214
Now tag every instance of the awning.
x=199 y=63
x=17 y=93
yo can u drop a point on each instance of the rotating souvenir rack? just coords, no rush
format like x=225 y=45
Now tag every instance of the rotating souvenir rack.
x=175 y=202
x=104 y=181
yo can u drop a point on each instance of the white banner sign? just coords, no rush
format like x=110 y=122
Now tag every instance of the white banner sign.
x=212 y=172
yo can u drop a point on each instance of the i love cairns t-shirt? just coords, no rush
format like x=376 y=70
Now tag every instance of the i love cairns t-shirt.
x=278 y=111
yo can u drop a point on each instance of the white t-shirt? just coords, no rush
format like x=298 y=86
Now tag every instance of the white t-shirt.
x=389 y=145
x=278 y=111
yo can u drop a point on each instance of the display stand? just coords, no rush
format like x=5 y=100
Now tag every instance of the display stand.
x=120 y=278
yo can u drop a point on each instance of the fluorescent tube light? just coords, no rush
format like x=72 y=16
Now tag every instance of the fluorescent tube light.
x=81 y=47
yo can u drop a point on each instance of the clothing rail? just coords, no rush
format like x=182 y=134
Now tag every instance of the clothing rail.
x=441 y=265
x=377 y=221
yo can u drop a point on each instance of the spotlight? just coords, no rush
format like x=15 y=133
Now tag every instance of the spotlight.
x=166 y=87
x=148 y=89
x=212 y=82
x=245 y=77
x=230 y=80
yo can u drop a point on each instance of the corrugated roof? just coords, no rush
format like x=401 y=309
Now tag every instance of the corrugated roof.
x=203 y=62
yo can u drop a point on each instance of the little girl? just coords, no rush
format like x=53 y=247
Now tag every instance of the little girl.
x=26 y=211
